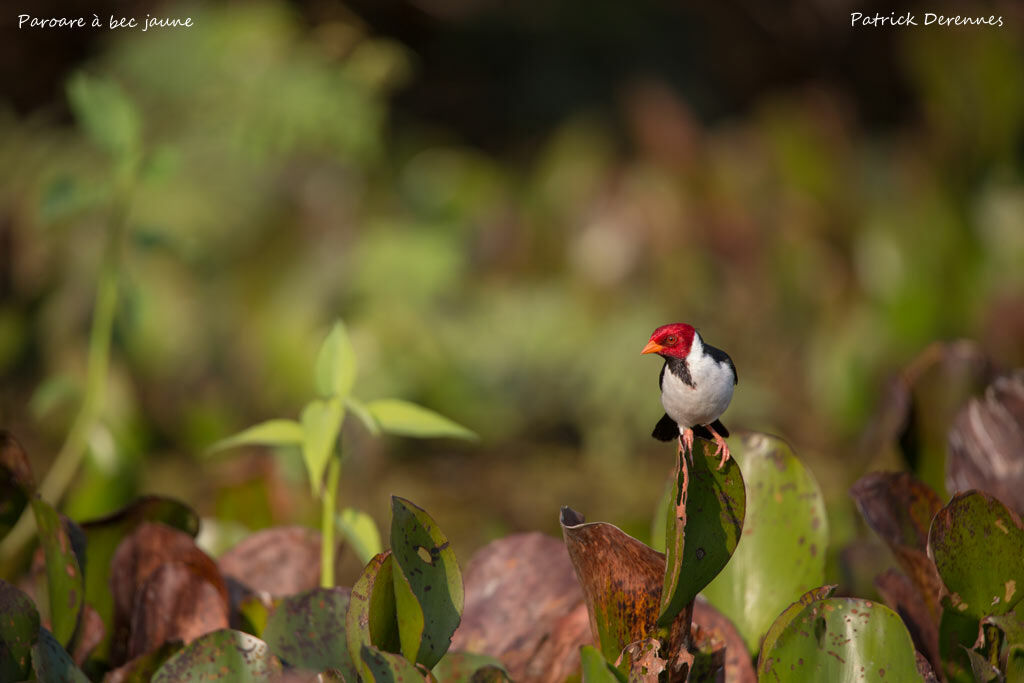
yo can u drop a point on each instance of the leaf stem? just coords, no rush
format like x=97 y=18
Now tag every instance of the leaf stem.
x=328 y=502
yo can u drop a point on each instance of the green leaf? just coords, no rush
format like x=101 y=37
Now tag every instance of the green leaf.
x=703 y=526
x=596 y=669
x=107 y=114
x=142 y=668
x=361 y=532
x=307 y=631
x=105 y=534
x=408 y=419
x=370 y=620
x=51 y=662
x=785 y=534
x=820 y=638
x=336 y=364
x=977 y=545
x=19 y=631
x=426 y=558
x=63 y=571
x=221 y=655
x=411 y=618
x=384 y=667
x=269 y=433
x=358 y=408
x=321 y=423
x=460 y=667
x=957 y=633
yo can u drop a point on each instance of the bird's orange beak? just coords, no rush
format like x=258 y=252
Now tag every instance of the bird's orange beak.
x=652 y=347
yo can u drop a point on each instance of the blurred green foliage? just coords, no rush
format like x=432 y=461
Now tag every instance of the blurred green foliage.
x=274 y=192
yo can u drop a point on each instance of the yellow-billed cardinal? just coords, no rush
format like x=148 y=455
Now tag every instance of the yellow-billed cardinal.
x=696 y=386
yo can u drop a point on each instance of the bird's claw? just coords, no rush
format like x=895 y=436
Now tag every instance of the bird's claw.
x=686 y=441
x=723 y=449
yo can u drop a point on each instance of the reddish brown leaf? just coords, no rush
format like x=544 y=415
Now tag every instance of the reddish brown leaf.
x=712 y=627
x=14 y=461
x=90 y=633
x=986 y=443
x=905 y=599
x=175 y=602
x=279 y=561
x=140 y=554
x=524 y=606
x=899 y=508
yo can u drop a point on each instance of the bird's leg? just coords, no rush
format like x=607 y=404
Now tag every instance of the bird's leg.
x=723 y=447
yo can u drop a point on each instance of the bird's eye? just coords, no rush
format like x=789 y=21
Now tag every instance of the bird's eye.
x=671 y=340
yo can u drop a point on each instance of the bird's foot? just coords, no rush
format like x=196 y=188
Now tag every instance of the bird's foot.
x=686 y=440
x=723 y=448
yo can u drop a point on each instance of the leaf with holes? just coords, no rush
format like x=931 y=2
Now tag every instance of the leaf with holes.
x=395 y=416
x=703 y=526
x=820 y=638
x=426 y=559
x=370 y=620
x=321 y=422
x=977 y=545
x=336 y=364
x=19 y=631
x=785 y=534
x=221 y=655
x=307 y=631
x=65 y=585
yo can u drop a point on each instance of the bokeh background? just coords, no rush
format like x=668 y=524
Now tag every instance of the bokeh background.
x=502 y=201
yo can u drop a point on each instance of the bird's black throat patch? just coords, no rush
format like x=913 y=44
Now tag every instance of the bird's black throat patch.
x=679 y=368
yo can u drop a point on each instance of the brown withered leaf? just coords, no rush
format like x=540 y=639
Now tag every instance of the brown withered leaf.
x=712 y=628
x=905 y=599
x=986 y=443
x=899 y=508
x=151 y=545
x=280 y=561
x=90 y=633
x=177 y=601
x=524 y=606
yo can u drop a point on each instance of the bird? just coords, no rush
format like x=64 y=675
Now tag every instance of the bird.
x=697 y=382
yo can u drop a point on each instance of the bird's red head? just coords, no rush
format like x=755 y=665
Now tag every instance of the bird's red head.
x=671 y=340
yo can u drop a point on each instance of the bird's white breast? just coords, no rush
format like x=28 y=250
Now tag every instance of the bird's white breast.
x=709 y=396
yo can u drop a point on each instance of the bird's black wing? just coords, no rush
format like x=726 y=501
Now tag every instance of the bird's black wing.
x=720 y=356
x=720 y=428
x=661 y=376
x=666 y=429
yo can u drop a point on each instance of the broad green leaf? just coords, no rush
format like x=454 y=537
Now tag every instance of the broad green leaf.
x=426 y=558
x=703 y=526
x=977 y=545
x=336 y=364
x=621 y=580
x=409 y=611
x=596 y=669
x=361 y=533
x=51 y=662
x=19 y=631
x=370 y=620
x=820 y=638
x=65 y=585
x=307 y=631
x=459 y=667
x=408 y=419
x=107 y=114
x=221 y=655
x=358 y=408
x=782 y=552
x=321 y=422
x=269 y=433
x=103 y=536
x=385 y=667
x=957 y=634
